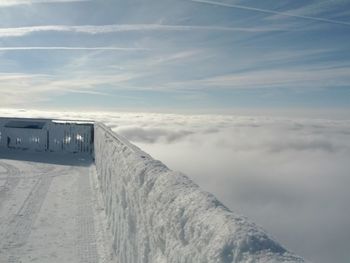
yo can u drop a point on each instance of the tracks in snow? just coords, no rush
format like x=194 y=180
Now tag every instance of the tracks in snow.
x=86 y=248
x=11 y=181
x=19 y=224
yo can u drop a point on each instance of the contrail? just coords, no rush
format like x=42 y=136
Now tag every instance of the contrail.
x=104 y=29
x=6 y=3
x=72 y=48
x=267 y=11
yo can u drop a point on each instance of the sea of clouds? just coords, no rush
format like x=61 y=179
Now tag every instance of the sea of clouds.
x=290 y=175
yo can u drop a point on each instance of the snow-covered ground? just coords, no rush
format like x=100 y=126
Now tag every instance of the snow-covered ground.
x=50 y=210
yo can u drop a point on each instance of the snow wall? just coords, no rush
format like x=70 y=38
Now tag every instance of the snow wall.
x=157 y=215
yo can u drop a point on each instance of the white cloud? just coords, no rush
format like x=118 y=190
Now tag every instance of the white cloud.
x=21 y=89
x=290 y=77
x=77 y=76
x=316 y=8
x=71 y=48
x=268 y=11
x=4 y=3
x=103 y=29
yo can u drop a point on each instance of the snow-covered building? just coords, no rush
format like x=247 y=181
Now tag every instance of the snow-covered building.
x=46 y=135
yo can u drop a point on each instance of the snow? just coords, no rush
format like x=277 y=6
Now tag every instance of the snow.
x=49 y=210
x=158 y=215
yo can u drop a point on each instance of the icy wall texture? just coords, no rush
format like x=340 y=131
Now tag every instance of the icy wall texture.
x=157 y=215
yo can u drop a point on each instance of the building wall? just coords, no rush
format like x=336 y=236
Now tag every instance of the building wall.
x=25 y=139
x=2 y=140
x=70 y=137
x=56 y=136
x=2 y=137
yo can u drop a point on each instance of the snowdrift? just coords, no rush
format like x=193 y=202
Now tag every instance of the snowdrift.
x=157 y=215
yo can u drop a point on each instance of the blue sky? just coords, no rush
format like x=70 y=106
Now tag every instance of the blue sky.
x=175 y=54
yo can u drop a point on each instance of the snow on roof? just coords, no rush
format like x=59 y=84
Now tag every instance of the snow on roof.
x=25 y=124
x=72 y=121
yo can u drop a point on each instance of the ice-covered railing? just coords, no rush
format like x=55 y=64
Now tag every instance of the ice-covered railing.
x=157 y=215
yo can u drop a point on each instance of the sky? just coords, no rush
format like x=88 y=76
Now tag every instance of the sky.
x=253 y=59
x=163 y=55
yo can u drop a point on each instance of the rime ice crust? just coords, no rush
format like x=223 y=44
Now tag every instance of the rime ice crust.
x=157 y=215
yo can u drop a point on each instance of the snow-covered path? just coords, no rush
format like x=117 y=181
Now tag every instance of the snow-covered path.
x=51 y=213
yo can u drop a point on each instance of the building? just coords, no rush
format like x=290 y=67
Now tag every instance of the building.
x=46 y=135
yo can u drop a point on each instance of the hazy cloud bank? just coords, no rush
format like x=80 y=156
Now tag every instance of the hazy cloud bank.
x=289 y=175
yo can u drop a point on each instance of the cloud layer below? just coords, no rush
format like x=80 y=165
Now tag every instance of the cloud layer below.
x=289 y=175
